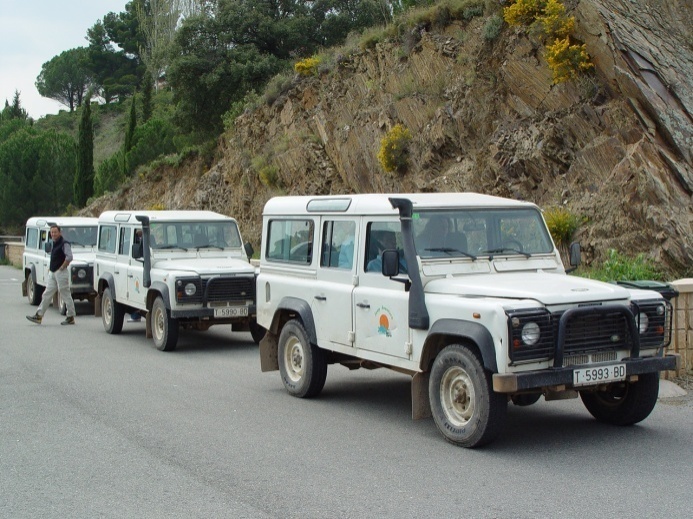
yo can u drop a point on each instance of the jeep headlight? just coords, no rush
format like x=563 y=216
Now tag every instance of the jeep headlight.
x=82 y=274
x=530 y=333
x=190 y=289
x=643 y=322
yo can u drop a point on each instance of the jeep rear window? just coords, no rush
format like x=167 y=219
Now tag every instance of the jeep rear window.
x=480 y=232
x=290 y=241
x=107 y=238
x=32 y=238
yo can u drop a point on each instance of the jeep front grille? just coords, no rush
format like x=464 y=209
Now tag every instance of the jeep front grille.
x=229 y=289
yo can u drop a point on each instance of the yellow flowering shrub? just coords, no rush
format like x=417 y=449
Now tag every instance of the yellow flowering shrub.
x=394 y=149
x=308 y=66
x=566 y=61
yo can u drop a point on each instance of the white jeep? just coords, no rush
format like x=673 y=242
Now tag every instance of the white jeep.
x=466 y=293
x=81 y=233
x=185 y=269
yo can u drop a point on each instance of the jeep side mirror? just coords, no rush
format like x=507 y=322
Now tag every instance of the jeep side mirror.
x=390 y=266
x=575 y=256
x=48 y=246
x=249 y=251
x=137 y=250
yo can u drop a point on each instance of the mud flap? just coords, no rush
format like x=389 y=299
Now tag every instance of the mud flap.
x=420 y=403
x=97 y=306
x=24 y=294
x=268 y=353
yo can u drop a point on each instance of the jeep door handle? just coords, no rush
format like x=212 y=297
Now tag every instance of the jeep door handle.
x=363 y=305
x=130 y=276
x=321 y=298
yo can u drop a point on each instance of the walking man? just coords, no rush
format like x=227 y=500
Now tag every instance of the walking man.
x=58 y=279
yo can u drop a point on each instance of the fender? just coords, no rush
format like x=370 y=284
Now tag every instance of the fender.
x=474 y=332
x=302 y=308
x=32 y=273
x=107 y=279
x=161 y=288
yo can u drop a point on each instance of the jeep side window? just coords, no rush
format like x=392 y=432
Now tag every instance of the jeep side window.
x=124 y=245
x=290 y=241
x=382 y=236
x=32 y=238
x=107 y=238
x=338 y=244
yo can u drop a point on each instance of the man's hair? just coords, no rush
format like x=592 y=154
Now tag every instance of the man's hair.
x=56 y=226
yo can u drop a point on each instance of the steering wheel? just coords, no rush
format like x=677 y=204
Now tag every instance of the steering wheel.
x=513 y=244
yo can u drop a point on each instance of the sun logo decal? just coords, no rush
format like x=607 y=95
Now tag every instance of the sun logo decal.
x=385 y=322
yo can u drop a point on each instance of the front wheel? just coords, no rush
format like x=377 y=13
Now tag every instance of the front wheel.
x=624 y=404
x=464 y=407
x=164 y=327
x=112 y=313
x=33 y=291
x=302 y=365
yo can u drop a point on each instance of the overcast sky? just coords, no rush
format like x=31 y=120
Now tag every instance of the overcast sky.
x=33 y=32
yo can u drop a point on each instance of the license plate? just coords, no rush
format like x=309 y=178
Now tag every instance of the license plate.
x=598 y=375
x=231 y=311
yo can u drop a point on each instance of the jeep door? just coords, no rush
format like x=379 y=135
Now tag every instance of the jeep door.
x=136 y=293
x=43 y=262
x=380 y=304
x=332 y=301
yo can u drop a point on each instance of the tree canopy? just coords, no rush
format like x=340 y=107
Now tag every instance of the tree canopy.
x=66 y=77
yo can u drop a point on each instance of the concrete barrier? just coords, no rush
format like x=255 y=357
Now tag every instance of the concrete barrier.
x=12 y=251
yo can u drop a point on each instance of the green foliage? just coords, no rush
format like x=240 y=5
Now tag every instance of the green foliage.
x=249 y=102
x=278 y=85
x=132 y=124
x=492 y=27
x=66 y=78
x=394 y=149
x=151 y=140
x=147 y=106
x=562 y=224
x=109 y=174
x=619 y=267
x=84 y=178
x=267 y=172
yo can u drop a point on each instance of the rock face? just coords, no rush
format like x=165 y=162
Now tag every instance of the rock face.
x=614 y=146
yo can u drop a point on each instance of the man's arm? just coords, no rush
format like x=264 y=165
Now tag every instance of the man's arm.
x=68 y=256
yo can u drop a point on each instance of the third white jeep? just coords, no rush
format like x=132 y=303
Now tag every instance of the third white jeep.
x=466 y=293
x=178 y=268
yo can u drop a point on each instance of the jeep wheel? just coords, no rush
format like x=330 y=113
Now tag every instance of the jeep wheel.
x=164 y=327
x=257 y=331
x=624 y=404
x=302 y=365
x=465 y=409
x=112 y=313
x=33 y=291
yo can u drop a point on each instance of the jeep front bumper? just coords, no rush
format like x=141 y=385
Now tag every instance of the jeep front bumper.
x=555 y=377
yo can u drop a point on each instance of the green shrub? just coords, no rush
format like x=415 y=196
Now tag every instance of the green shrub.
x=562 y=224
x=394 y=149
x=492 y=27
x=619 y=267
x=152 y=140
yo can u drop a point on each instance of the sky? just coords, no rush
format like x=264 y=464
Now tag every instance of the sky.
x=33 y=32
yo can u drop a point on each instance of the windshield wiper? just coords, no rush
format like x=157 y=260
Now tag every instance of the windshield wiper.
x=209 y=246
x=171 y=247
x=501 y=250
x=448 y=250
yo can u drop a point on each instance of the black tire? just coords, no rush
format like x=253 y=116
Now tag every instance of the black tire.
x=526 y=399
x=33 y=291
x=464 y=407
x=112 y=313
x=164 y=327
x=257 y=331
x=302 y=365
x=624 y=404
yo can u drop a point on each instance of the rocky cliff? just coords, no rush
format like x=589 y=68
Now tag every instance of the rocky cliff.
x=615 y=146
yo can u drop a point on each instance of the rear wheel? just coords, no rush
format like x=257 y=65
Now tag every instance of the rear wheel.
x=624 y=404
x=464 y=407
x=302 y=365
x=164 y=327
x=112 y=313
x=33 y=291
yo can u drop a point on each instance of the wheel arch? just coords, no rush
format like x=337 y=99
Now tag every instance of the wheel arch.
x=291 y=308
x=453 y=331
x=157 y=289
x=107 y=281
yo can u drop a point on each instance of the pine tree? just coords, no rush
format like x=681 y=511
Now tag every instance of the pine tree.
x=84 y=177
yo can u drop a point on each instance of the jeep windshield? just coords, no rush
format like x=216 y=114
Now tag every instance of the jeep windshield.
x=475 y=233
x=79 y=236
x=214 y=235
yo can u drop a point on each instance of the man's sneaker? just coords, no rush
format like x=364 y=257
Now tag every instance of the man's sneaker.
x=69 y=320
x=36 y=318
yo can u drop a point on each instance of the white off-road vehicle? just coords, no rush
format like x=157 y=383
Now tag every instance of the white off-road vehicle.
x=81 y=233
x=465 y=292
x=185 y=269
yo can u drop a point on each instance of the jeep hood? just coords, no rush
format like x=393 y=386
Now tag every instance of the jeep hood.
x=205 y=266
x=549 y=289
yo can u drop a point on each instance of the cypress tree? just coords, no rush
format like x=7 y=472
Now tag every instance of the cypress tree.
x=84 y=176
x=146 y=98
x=132 y=124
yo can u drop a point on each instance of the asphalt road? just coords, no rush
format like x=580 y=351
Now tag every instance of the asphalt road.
x=94 y=425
